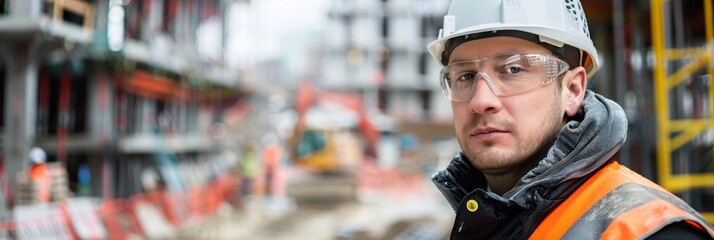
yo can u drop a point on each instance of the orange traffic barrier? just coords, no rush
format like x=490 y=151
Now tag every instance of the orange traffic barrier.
x=120 y=222
x=152 y=214
x=389 y=181
x=177 y=208
x=225 y=189
x=39 y=221
x=196 y=200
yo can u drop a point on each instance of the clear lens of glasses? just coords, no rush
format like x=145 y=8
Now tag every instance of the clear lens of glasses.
x=506 y=74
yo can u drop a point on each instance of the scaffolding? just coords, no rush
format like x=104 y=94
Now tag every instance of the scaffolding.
x=682 y=72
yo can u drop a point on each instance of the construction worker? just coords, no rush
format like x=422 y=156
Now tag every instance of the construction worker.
x=39 y=174
x=271 y=156
x=537 y=147
x=250 y=167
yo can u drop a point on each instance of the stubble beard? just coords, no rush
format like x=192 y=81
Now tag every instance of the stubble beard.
x=523 y=156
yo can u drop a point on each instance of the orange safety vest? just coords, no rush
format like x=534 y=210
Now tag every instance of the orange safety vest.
x=40 y=175
x=597 y=203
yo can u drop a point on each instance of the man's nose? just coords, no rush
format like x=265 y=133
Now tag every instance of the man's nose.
x=485 y=100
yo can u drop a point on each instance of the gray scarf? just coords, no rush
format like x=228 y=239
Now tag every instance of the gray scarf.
x=581 y=147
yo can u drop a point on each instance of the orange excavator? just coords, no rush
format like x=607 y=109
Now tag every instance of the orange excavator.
x=332 y=137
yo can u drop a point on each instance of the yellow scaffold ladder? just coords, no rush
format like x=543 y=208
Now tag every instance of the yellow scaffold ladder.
x=673 y=134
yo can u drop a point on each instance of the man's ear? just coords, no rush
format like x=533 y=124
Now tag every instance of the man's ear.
x=575 y=85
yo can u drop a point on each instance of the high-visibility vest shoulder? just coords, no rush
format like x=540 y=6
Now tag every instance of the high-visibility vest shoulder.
x=617 y=203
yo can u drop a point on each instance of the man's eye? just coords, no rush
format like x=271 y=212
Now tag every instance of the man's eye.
x=466 y=77
x=512 y=69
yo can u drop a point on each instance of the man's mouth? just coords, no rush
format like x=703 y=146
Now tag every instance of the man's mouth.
x=487 y=133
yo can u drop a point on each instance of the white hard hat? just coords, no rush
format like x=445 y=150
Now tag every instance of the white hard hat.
x=555 y=22
x=37 y=155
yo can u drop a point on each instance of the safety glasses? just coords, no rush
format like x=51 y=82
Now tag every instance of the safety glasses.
x=505 y=74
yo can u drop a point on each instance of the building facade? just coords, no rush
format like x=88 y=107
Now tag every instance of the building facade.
x=122 y=93
x=378 y=48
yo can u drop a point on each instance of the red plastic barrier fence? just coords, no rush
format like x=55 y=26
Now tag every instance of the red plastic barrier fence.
x=119 y=218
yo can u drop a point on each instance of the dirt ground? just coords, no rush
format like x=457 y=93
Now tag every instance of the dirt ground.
x=419 y=216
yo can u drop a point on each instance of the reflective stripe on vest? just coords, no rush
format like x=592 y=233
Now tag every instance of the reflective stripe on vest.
x=616 y=203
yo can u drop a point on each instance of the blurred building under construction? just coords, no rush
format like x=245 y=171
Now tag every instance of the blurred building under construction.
x=129 y=96
x=123 y=97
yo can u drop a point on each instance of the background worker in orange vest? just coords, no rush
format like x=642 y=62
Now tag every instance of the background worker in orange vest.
x=272 y=155
x=536 y=145
x=39 y=174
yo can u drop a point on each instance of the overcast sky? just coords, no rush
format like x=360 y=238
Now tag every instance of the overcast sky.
x=256 y=29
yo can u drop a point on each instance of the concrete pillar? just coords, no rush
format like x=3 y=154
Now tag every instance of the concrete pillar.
x=4 y=59
x=20 y=110
x=101 y=102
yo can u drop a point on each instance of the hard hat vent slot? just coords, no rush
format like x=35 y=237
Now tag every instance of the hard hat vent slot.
x=576 y=17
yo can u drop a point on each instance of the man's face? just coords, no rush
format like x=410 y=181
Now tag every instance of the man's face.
x=501 y=134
